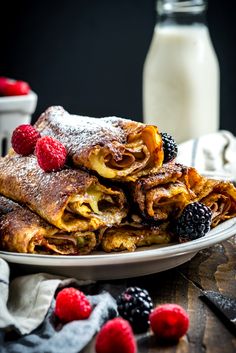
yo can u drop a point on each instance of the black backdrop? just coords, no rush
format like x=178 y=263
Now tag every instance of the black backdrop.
x=87 y=55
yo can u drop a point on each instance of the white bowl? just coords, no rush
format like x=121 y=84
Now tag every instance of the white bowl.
x=14 y=111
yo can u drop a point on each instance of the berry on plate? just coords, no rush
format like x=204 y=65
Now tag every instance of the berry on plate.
x=169 y=146
x=15 y=88
x=24 y=139
x=194 y=222
x=51 y=154
x=116 y=336
x=72 y=304
x=169 y=322
x=135 y=305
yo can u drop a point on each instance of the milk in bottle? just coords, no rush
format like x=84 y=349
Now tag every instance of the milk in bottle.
x=181 y=72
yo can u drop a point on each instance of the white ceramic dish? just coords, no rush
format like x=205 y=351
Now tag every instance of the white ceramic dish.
x=14 y=111
x=100 y=265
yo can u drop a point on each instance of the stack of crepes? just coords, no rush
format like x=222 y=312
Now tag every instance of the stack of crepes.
x=114 y=194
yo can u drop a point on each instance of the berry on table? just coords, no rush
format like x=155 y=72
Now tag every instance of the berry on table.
x=72 y=304
x=194 y=222
x=169 y=322
x=169 y=146
x=135 y=305
x=24 y=139
x=51 y=154
x=116 y=336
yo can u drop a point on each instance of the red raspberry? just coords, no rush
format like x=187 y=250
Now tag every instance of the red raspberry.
x=51 y=154
x=3 y=82
x=72 y=304
x=116 y=336
x=169 y=322
x=24 y=139
x=15 y=88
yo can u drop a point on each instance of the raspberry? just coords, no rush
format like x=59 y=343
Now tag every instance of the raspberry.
x=135 y=305
x=15 y=88
x=169 y=146
x=51 y=154
x=24 y=139
x=72 y=304
x=116 y=336
x=3 y=82
x=169 y=322
x=194 y=222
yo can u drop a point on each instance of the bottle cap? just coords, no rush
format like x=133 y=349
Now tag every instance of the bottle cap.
x=170 y=6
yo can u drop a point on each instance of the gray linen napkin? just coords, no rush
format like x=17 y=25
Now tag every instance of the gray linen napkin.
x=213 y=155
x=26 y=300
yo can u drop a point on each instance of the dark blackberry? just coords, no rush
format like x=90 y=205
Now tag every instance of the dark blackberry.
x=194 y=222
x=169 y=146
x=135 y=305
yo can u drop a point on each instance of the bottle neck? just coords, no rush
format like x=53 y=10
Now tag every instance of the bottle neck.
x=181 y=12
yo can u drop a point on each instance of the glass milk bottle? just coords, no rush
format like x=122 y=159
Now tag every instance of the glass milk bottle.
x=181 y=72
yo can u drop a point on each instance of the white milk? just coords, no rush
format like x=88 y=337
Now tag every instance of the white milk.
x=181 y=82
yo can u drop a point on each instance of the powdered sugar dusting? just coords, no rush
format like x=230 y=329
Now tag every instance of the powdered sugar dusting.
x=47 y=194
x=78 y=133
x=23 y=180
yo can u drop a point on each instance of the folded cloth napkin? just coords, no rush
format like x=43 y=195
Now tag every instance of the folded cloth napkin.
x=26 y=301
x=213 y=155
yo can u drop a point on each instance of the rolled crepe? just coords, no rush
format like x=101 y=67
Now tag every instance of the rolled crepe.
x=164 y=195
x=115 y=148
x=23 y=231
x=71 y=200
x=219 y=196
x=131 y=235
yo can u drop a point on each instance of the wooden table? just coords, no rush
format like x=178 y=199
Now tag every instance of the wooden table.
x=211 y=269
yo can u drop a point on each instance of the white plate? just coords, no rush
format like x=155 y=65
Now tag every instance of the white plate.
x=100 y=265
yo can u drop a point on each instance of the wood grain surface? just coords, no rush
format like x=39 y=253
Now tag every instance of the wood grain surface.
x=211 y=269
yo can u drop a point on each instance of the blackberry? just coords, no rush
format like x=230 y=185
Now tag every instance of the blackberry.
x=169 y=146
x=135 y=305
x=194 y=222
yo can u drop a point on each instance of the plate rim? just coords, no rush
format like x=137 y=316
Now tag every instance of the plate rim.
x=216 y=235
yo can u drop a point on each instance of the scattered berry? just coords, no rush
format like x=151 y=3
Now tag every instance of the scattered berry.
x=51 y=154
x=116 y=336
x=72 y=304
x=135 y=305
x=15 y=88
x=169 y=322
x=194 y=222
x=24 y=139
x=169 y=146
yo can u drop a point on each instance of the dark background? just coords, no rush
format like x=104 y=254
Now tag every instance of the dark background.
x=88 y=55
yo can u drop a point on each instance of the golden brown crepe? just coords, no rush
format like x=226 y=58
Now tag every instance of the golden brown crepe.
x=165 y=194
x=115 y=148
x=219 y=196
x=23 y=231
x=71 y=200
x=131 y=235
